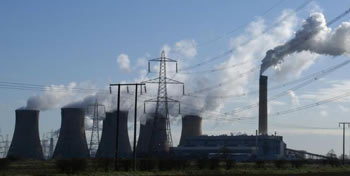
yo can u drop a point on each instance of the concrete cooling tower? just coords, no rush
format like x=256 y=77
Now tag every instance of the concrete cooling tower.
x=159 y=140
x=107 y=145
x=72 y=140
x=142 y=147
x=26 y=140
x=191 y=126
x=263 y=105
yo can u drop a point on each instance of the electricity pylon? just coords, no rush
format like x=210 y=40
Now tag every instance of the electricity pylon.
x=161 y=138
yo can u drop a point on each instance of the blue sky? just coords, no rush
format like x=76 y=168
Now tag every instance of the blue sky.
x=59 y=42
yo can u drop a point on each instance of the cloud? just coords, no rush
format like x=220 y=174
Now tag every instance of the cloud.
x=186 y=48
x=294 y=100
x=323 y=113
x=336 y=88
x=124 y=62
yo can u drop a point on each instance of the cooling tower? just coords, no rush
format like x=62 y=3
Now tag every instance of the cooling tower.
x=142 y=148
x=191 y=126
x=26 y=140
x=72 y=140
x=159 y=144
x=263 y=105
x=107 y=145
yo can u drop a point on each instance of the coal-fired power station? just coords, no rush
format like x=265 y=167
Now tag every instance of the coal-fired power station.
x=263 y=105
x=143 y=142
x=72 y=140
x=107 y=145
x=191 y=126
x=26 y=139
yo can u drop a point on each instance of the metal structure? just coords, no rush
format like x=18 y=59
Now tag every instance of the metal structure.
x=107 y=145
x=263 y=119
x=135 y=121
x=191 y=126
x=344 y=124
x=161 y=138
x=72 y=140
x=95 y=130
x=2 y=146
x=45 y=146
x=26 y=140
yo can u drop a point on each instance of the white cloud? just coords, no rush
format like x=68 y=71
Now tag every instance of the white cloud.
x=294 y=100
x=323 y=113
x=123 y=62
x=186 y=48
x=336 y=88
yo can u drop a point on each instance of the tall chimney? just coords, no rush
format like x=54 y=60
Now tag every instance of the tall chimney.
x=191 y=126
x=26 y=140
x=72 y=140
x=263 y=105
x=107 y=145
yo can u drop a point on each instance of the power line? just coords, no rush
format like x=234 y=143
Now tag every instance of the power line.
x=241 y=25
x=209 y=60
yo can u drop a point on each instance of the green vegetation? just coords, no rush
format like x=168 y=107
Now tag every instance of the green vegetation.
x=105 y=167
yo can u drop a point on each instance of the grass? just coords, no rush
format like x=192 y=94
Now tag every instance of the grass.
x=48 y=168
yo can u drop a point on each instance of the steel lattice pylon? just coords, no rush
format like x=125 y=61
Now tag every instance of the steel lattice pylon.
x=161 y=138
x=95 y=130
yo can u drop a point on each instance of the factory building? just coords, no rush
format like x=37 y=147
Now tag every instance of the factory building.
x=107 y=145
x=239 y=148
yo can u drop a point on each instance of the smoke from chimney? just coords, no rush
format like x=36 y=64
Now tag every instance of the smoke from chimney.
x=315 y=37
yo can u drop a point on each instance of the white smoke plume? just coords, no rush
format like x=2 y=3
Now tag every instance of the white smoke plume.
x=314 y=37
x=55 y=96
x=123 y=62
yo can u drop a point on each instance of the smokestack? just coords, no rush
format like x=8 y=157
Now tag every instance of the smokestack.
x=142 y=147
x=191 y=126
x=26 y=140
x=72 y=140
x=263 y=105
x=107 y=145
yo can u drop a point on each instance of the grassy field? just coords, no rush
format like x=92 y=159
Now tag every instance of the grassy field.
x=43 y=168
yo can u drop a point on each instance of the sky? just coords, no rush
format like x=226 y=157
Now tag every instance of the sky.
x=90 y=44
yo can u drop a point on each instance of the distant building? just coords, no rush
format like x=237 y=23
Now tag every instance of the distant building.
x=239 y=148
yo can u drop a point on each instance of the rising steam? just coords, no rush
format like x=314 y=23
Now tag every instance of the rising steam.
x=315 y=37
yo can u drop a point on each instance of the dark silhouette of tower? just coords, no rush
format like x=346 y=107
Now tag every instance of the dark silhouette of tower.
x=72 y=140
x=161 y=138
x=191 y=126
x=107 y=146
x=263 y=105
x=26 y=140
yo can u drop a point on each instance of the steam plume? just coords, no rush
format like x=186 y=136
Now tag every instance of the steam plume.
x=315 y=37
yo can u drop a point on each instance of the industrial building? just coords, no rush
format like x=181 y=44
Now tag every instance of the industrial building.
x=72 y=140
x=239 y=148
x=107 y=145
x=26 y=140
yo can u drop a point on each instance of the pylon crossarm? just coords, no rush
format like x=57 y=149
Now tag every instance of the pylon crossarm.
x=161 y=59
